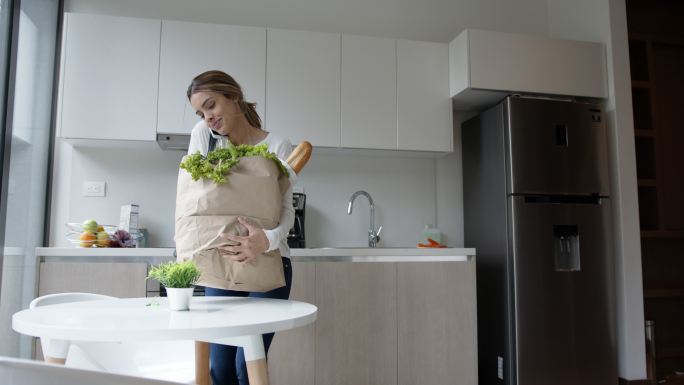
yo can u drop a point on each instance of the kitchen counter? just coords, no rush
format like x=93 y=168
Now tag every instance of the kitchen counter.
x=382 y=254
x=332 y=254
x=105 y=254
x=404 y=300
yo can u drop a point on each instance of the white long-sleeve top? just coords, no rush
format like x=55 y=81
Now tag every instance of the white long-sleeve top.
x=277 y=237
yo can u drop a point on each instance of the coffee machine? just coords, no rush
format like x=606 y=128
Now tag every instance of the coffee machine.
x=295 y=238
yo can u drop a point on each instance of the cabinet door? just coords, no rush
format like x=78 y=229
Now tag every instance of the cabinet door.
x=369 y=92
x=423 y=103
x=437 y=323
x=356 y=329
x=188 y=49
x=303 y=86
x=512 y=62
x=109 y=83
x=291 y=358
x=124 y=280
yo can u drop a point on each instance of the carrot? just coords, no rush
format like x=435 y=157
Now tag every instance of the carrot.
x=432 y=244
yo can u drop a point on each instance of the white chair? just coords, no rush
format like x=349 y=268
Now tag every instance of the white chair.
x=162 y=360
x=22 y=372
x=55 y=351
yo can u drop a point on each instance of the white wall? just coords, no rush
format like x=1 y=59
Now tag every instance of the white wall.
x=431 y=20
x=605 y=21
x=403 y=190
x=145 y=175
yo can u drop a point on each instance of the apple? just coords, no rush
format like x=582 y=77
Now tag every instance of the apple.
x=102 y=239
x=90 y=225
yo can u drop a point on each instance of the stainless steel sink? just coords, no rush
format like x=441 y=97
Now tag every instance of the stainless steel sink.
x=361 y=248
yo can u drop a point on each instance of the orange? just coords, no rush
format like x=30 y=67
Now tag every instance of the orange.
x=87 y=239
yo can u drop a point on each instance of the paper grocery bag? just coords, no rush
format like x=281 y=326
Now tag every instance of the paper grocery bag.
x=264 y=273
x=253 y=189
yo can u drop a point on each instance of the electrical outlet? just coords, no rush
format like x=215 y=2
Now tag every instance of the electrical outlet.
x=93 y=189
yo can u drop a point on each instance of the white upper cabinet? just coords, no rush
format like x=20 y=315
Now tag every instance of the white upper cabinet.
x=303 y=86
x=487 y=65
x=423 y=104
x=126 y=78
x=110 y=75
x=188 y=49
x=369 y=92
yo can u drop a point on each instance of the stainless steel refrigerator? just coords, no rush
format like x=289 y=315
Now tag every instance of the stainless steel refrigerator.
x=537 y=208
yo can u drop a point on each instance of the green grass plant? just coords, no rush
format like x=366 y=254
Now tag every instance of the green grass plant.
x=176 y=274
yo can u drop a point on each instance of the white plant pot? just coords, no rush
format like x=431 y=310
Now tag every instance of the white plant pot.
x=179 y=298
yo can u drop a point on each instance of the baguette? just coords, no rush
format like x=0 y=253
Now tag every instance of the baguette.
x=300 y=156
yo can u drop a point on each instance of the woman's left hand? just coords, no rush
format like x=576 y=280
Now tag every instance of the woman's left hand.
x=248 y=246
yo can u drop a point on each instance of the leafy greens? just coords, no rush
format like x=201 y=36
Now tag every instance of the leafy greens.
x=218 y=163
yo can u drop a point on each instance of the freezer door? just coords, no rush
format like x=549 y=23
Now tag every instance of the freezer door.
x=563 y=292
x=555 y=147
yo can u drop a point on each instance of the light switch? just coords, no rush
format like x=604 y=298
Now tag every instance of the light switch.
x=93 y=189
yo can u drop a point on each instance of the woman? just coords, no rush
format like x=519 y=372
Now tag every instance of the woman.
x=227 y=118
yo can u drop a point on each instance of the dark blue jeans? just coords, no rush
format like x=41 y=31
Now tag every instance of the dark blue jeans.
x=228 y=366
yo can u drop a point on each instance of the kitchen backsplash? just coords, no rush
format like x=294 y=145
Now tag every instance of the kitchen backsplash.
x=405 y=191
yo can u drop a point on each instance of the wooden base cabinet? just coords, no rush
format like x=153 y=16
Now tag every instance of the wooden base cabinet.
x=124 y=280
x=356 y=329
x=406 y=323
x=291 y=358
x=436 y=315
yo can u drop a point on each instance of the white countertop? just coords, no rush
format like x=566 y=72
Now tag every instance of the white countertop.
x=333 y=254
x=104 y=252
x=382 y=254
x=152 y=256
x=381 y=251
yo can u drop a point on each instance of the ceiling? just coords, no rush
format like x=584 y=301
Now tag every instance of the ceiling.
x=431 y=20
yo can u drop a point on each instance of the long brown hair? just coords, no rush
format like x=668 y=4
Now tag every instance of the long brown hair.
x=221 y=82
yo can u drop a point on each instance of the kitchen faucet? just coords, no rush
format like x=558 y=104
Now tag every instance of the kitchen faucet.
x=373 y=237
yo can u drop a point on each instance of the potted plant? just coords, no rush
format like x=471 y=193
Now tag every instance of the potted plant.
x=178 y=278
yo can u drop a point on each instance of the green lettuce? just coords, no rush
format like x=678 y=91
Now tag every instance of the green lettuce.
x=218 y=163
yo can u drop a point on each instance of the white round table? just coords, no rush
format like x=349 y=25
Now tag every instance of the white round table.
x=233 y=321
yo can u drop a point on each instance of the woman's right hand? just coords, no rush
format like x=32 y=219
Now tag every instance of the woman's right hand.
x=246 y=247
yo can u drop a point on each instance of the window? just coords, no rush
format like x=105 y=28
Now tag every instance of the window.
x=27 y=129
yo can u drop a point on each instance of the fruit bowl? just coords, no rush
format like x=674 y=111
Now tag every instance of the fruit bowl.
x=105 y=236
x=74 y=227
x=75 y=239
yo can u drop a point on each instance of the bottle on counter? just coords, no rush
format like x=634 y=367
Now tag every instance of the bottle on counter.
x=432 y=233
x=142 y=238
